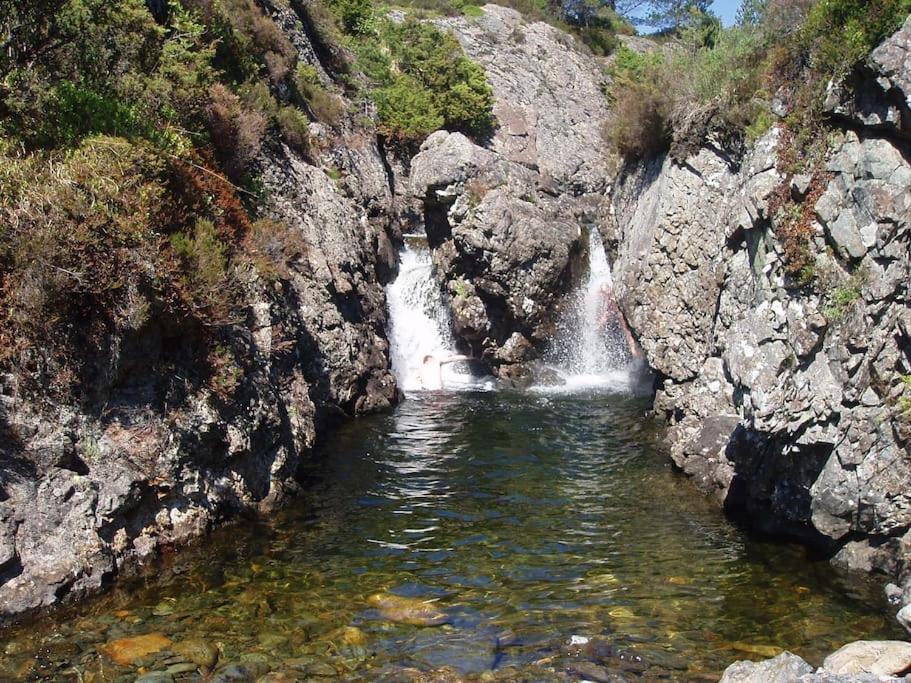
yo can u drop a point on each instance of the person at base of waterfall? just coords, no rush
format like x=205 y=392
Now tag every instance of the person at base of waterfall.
x=431 y=372
x=610 y=312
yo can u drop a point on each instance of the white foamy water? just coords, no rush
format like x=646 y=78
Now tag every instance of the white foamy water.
x=420 y=323
x=589 y=350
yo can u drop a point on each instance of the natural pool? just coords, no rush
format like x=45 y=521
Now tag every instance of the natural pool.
x=529 y=520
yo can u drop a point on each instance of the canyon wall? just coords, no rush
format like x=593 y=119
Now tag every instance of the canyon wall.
x=786 y=391
x=160 y=454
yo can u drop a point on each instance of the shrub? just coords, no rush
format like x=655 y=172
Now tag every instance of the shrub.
x=237 y=131
x=642 y=104
x=274 y=248
x=406 y=110
x=839 y=33
x=433 y=84
x=295 y=129
x=248 y=39
x=76 y=68
x=203 y=277
x=73 y=228
x=356 y=15
x=324 y=106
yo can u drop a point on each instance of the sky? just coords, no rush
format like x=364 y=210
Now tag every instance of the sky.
x=726 y=10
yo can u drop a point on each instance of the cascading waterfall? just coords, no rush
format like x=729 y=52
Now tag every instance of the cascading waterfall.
x=420 y=323
x=597 y=353
x=589 y=347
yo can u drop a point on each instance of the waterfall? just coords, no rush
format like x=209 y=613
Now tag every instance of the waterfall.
x=596 y=353
x=420 y=323
x=589 y=347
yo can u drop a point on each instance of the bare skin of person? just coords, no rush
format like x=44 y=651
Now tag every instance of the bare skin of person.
x=610 y=311
x=431 y=372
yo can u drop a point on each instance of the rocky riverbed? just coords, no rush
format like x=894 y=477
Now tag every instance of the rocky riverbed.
x=482 y=536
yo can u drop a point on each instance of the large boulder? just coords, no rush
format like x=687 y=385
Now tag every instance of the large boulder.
x=503 y=248
x=548 y=94
x=505 y=216
x=785 y=668
x=876 y=657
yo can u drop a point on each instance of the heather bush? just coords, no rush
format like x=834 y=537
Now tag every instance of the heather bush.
x=323 y=105
x=237 y=131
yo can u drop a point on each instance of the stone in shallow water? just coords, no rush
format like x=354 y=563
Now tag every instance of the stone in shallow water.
x=348 y=635
x=784 y=668
x=599 y=674
x=125 y=651
x=878 y=657
x=407 y=610
x=754 y=649
x=200 y=652
x=156 y=677
x=234 y=672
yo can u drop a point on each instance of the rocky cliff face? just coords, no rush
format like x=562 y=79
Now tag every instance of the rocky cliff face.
x=787 y=393
x=505 y=220
x=160 y=456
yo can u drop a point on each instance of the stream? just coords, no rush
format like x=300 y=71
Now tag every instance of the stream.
x=546 y=531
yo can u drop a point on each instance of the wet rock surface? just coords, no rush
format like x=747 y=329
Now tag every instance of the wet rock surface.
x=784 y=394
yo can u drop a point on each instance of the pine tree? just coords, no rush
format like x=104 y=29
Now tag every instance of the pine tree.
x=673 y=15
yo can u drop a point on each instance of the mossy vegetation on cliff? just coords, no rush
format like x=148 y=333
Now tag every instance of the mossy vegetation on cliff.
x=129 y=136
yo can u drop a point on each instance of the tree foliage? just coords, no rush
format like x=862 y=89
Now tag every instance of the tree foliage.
x=423 y=81
x=720 y=81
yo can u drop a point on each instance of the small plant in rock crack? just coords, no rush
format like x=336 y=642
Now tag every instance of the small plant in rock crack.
x=904 y=401
x=477 y=189
x=460 y=288
x=226 y=373
x=843 y=296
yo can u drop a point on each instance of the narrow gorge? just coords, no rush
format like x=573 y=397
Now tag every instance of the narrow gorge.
x=474 y=401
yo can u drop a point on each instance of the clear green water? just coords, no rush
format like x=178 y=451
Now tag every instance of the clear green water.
x=528 y=519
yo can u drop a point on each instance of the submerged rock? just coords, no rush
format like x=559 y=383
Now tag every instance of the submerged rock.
x=201 y=652
x=125 y=651
x=407 y=610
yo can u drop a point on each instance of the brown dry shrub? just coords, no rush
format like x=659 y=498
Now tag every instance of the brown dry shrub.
x=274 y=248
x=237 y=132
x=639 y=126
x=793 y=218
x=72 y=229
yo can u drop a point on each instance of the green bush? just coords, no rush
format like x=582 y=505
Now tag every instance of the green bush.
x=324 y=105
x=205 y=263
x=424 y=81
x=838 y=33
x=295 y=129
x=356 y=16
x=407 y=110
